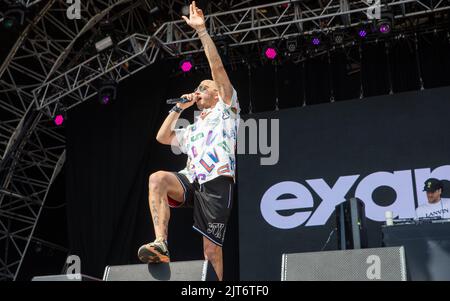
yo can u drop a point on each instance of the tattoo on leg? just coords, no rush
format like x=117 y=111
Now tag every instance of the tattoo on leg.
x=166 y=227
x=164 y=220
x=165 y=223
x=155 y=213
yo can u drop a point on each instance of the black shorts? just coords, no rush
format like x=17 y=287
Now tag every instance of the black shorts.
x=212 y=202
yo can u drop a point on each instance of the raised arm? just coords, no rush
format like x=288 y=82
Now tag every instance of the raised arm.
x=197 y=21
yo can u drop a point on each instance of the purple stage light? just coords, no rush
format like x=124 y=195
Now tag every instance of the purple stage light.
x=186 y=66
x=105 y=99
x=362 y=33
x=59 y=120
x=316 y=41
x=270 y=53
x=385 y=28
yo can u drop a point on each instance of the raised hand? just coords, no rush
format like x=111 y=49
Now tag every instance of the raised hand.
x=196 y=18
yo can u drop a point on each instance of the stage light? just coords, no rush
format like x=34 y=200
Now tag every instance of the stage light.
x=384 y=27
x=186 y=65
x=338 y=37
x=291 y=45
x=315 y=41
x=13 y=17
x=107 y=92
x=59 y=119
x=270 y=53
x=105 y=99
x=156 y=9
x=386 y=21
x=8 y=23
x=104 y=43
x=153 y=16
x=362 y=33
x=106 y=39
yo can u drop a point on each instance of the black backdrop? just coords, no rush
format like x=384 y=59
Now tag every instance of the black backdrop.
x=111 y=150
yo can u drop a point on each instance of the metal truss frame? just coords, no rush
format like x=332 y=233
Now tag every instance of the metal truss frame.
x=29 y=3
x=130 y=56
x=285 y=19
x=51 y=69
x=263 y=23
x=24 y=3
x=32 y=148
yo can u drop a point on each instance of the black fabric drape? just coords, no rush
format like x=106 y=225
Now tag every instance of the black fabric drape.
x=108 y=153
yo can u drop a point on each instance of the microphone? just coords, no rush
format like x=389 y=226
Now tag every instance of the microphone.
x=177 y=100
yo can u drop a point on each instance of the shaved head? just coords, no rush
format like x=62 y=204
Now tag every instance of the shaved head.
x=207 y=94
x=210 y=84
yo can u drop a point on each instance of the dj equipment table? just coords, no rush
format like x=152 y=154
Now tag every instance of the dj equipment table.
x=427 y=247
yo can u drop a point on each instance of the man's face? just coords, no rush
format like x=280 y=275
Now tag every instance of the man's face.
x=434 y=197
x=206 y=95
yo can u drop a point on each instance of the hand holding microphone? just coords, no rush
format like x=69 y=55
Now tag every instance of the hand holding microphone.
x=172 y=101
x=184 y=102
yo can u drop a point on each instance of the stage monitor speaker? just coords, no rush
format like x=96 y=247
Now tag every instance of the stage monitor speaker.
x=382 y=264
x=196 y=270
x=68 y=277
x=351 y=224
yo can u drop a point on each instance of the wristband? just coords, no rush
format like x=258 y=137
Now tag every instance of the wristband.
x=176 y=109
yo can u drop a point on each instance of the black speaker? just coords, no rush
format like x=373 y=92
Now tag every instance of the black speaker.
x=370 y=264
x=351 y=224
x=196 y=270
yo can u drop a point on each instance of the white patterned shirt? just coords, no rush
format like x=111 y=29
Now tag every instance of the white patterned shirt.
x=210 y=142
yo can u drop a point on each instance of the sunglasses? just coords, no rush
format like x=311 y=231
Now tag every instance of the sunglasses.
x=201 y=89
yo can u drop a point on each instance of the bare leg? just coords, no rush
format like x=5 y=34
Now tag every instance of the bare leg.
x=164 y=215
x=162 y=184
x=213 y=253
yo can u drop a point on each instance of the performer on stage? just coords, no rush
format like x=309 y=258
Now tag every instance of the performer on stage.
x=207 y=182
x=436 y=206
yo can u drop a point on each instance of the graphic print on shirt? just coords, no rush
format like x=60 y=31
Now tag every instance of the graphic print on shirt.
x=194 y=151
x=210 y=138
x=210 y=142
x=440 y=212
